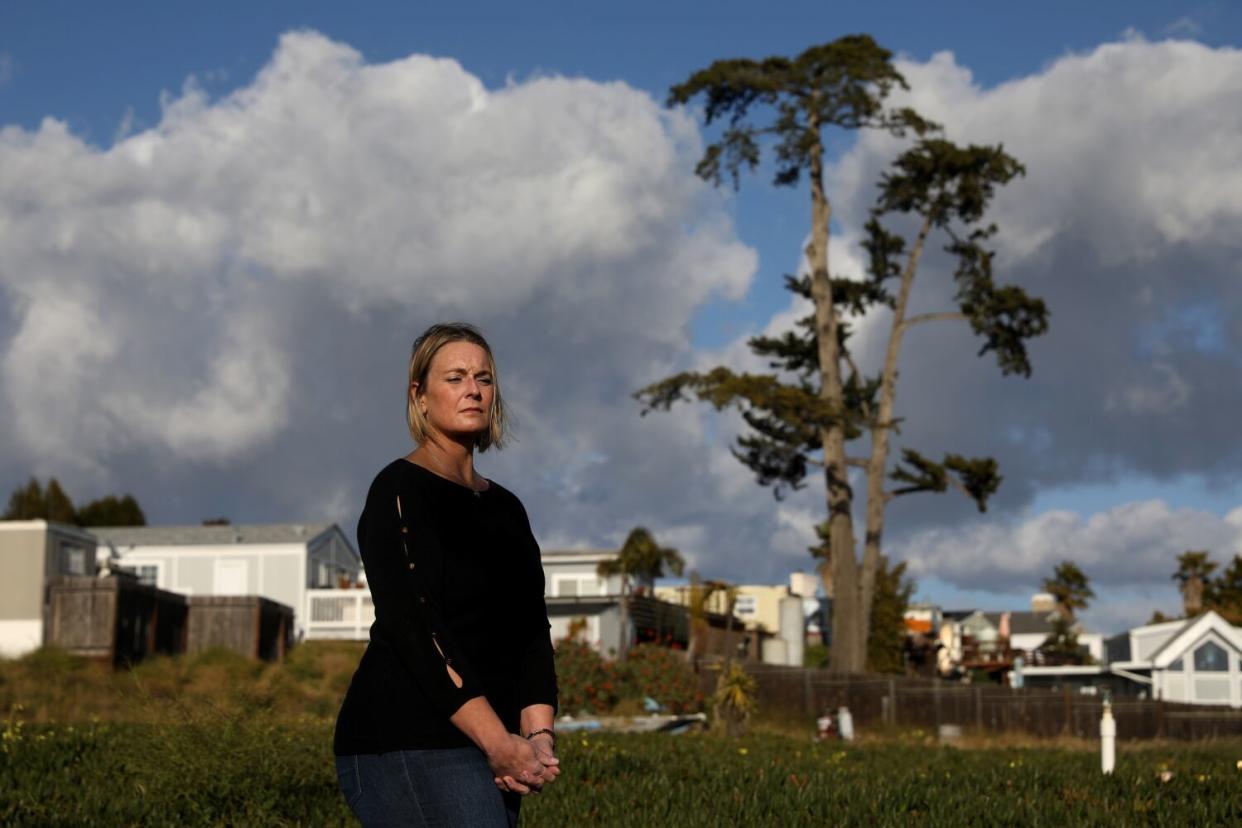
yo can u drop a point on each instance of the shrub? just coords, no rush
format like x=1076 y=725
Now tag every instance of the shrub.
x=735 y=699
x=664 y=675
x=587 y=682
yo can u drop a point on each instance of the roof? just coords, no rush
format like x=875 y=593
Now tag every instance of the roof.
x=261 y=533
x=1192 y=633
x=1024 y=622
x=585 y=553
x=48 y=526
x=1117 y=648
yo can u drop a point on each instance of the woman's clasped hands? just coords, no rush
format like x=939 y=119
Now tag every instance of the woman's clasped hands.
x=525 y=766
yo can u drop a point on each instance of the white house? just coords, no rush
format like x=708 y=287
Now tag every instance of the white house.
x=281 y=562
x=1198 y=660
x=31 y=551
x=573 y=589
x=1018 y=630
x=1194 y=661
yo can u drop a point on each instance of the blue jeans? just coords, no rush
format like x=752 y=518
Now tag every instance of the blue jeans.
x=444 y=787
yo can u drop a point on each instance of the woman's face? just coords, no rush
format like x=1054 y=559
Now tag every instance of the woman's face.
x=457 y=399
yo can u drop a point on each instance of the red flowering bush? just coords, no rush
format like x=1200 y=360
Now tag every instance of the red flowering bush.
x=586 y=681
x=664 y=675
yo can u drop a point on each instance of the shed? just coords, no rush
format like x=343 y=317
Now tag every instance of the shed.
x=115 y=618
x=245 y=624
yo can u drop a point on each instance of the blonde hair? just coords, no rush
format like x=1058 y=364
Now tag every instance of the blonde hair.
x=421 y=354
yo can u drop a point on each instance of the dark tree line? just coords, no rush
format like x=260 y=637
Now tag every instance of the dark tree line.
x=35 y=501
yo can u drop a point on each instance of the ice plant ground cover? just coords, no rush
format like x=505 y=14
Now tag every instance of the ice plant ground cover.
x=215 y=769
x=218 y=739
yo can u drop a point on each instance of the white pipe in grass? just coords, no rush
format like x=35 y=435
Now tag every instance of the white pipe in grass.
x=1108 y=739
x=845 y=723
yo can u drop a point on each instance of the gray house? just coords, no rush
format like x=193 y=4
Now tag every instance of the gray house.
x=31 y=551
x=281 y=562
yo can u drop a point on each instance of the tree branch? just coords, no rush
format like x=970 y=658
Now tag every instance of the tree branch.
x=957 y=484
x=857 y=462
x=934 y=317
x=849 y=360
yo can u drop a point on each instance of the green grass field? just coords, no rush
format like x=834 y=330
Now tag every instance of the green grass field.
x=222 y=741
x=219 y=770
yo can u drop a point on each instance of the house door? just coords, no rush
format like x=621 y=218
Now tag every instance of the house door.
x=232 y=577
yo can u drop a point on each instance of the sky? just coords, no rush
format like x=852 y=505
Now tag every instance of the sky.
x=222 y=225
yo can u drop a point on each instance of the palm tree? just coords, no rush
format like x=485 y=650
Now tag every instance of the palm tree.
x=643 y=558
x=1193 y=571
x=1070 y=587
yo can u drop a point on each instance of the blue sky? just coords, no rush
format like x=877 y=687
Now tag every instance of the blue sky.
x=108 y=73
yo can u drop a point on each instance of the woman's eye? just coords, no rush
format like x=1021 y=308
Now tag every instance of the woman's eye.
x=485 y=380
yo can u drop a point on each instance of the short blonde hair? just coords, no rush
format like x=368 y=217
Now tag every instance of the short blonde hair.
x=421 y=354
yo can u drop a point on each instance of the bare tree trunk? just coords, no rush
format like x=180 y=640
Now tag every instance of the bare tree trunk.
x=697 y=609
x=1192 y=596
x=877 y=464
x=846 y=654
x=624 y=647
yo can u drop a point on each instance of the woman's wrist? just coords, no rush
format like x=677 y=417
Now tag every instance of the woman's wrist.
x=543 y=734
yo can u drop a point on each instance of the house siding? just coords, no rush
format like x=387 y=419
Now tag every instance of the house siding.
x=30 y=552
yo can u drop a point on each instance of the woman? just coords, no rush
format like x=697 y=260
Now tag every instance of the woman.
x=448 y=719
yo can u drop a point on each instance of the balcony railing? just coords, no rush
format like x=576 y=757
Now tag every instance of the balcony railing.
x=343 y=614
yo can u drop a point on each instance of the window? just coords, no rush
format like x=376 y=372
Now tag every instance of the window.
x=744 y=606
x=1178 y=665
x=1211 y=658
x=148 y=574
x=73 y=560
x=325 y=579
x=569 y=586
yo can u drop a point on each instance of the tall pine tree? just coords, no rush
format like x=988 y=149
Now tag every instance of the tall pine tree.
x=816 y=402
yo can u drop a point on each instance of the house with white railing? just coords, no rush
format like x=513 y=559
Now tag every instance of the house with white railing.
x=286 y=562
x=572 y=588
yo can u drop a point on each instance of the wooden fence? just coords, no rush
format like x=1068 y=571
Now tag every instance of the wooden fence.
x=116 y=619
x=247 y=624
x=878 y=701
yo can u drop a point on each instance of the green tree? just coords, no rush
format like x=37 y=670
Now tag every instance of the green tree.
x=33 y=501
x=111 y=510
x=1062 y=643
x=1070 y=587
x=1226 y=592
x=643 y=558
x=59 y=507
x=1193 y=576
x=886 y=644
x=27 y=502
x=817 y=401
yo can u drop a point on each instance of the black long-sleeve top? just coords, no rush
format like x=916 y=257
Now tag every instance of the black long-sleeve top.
x=456 y=580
